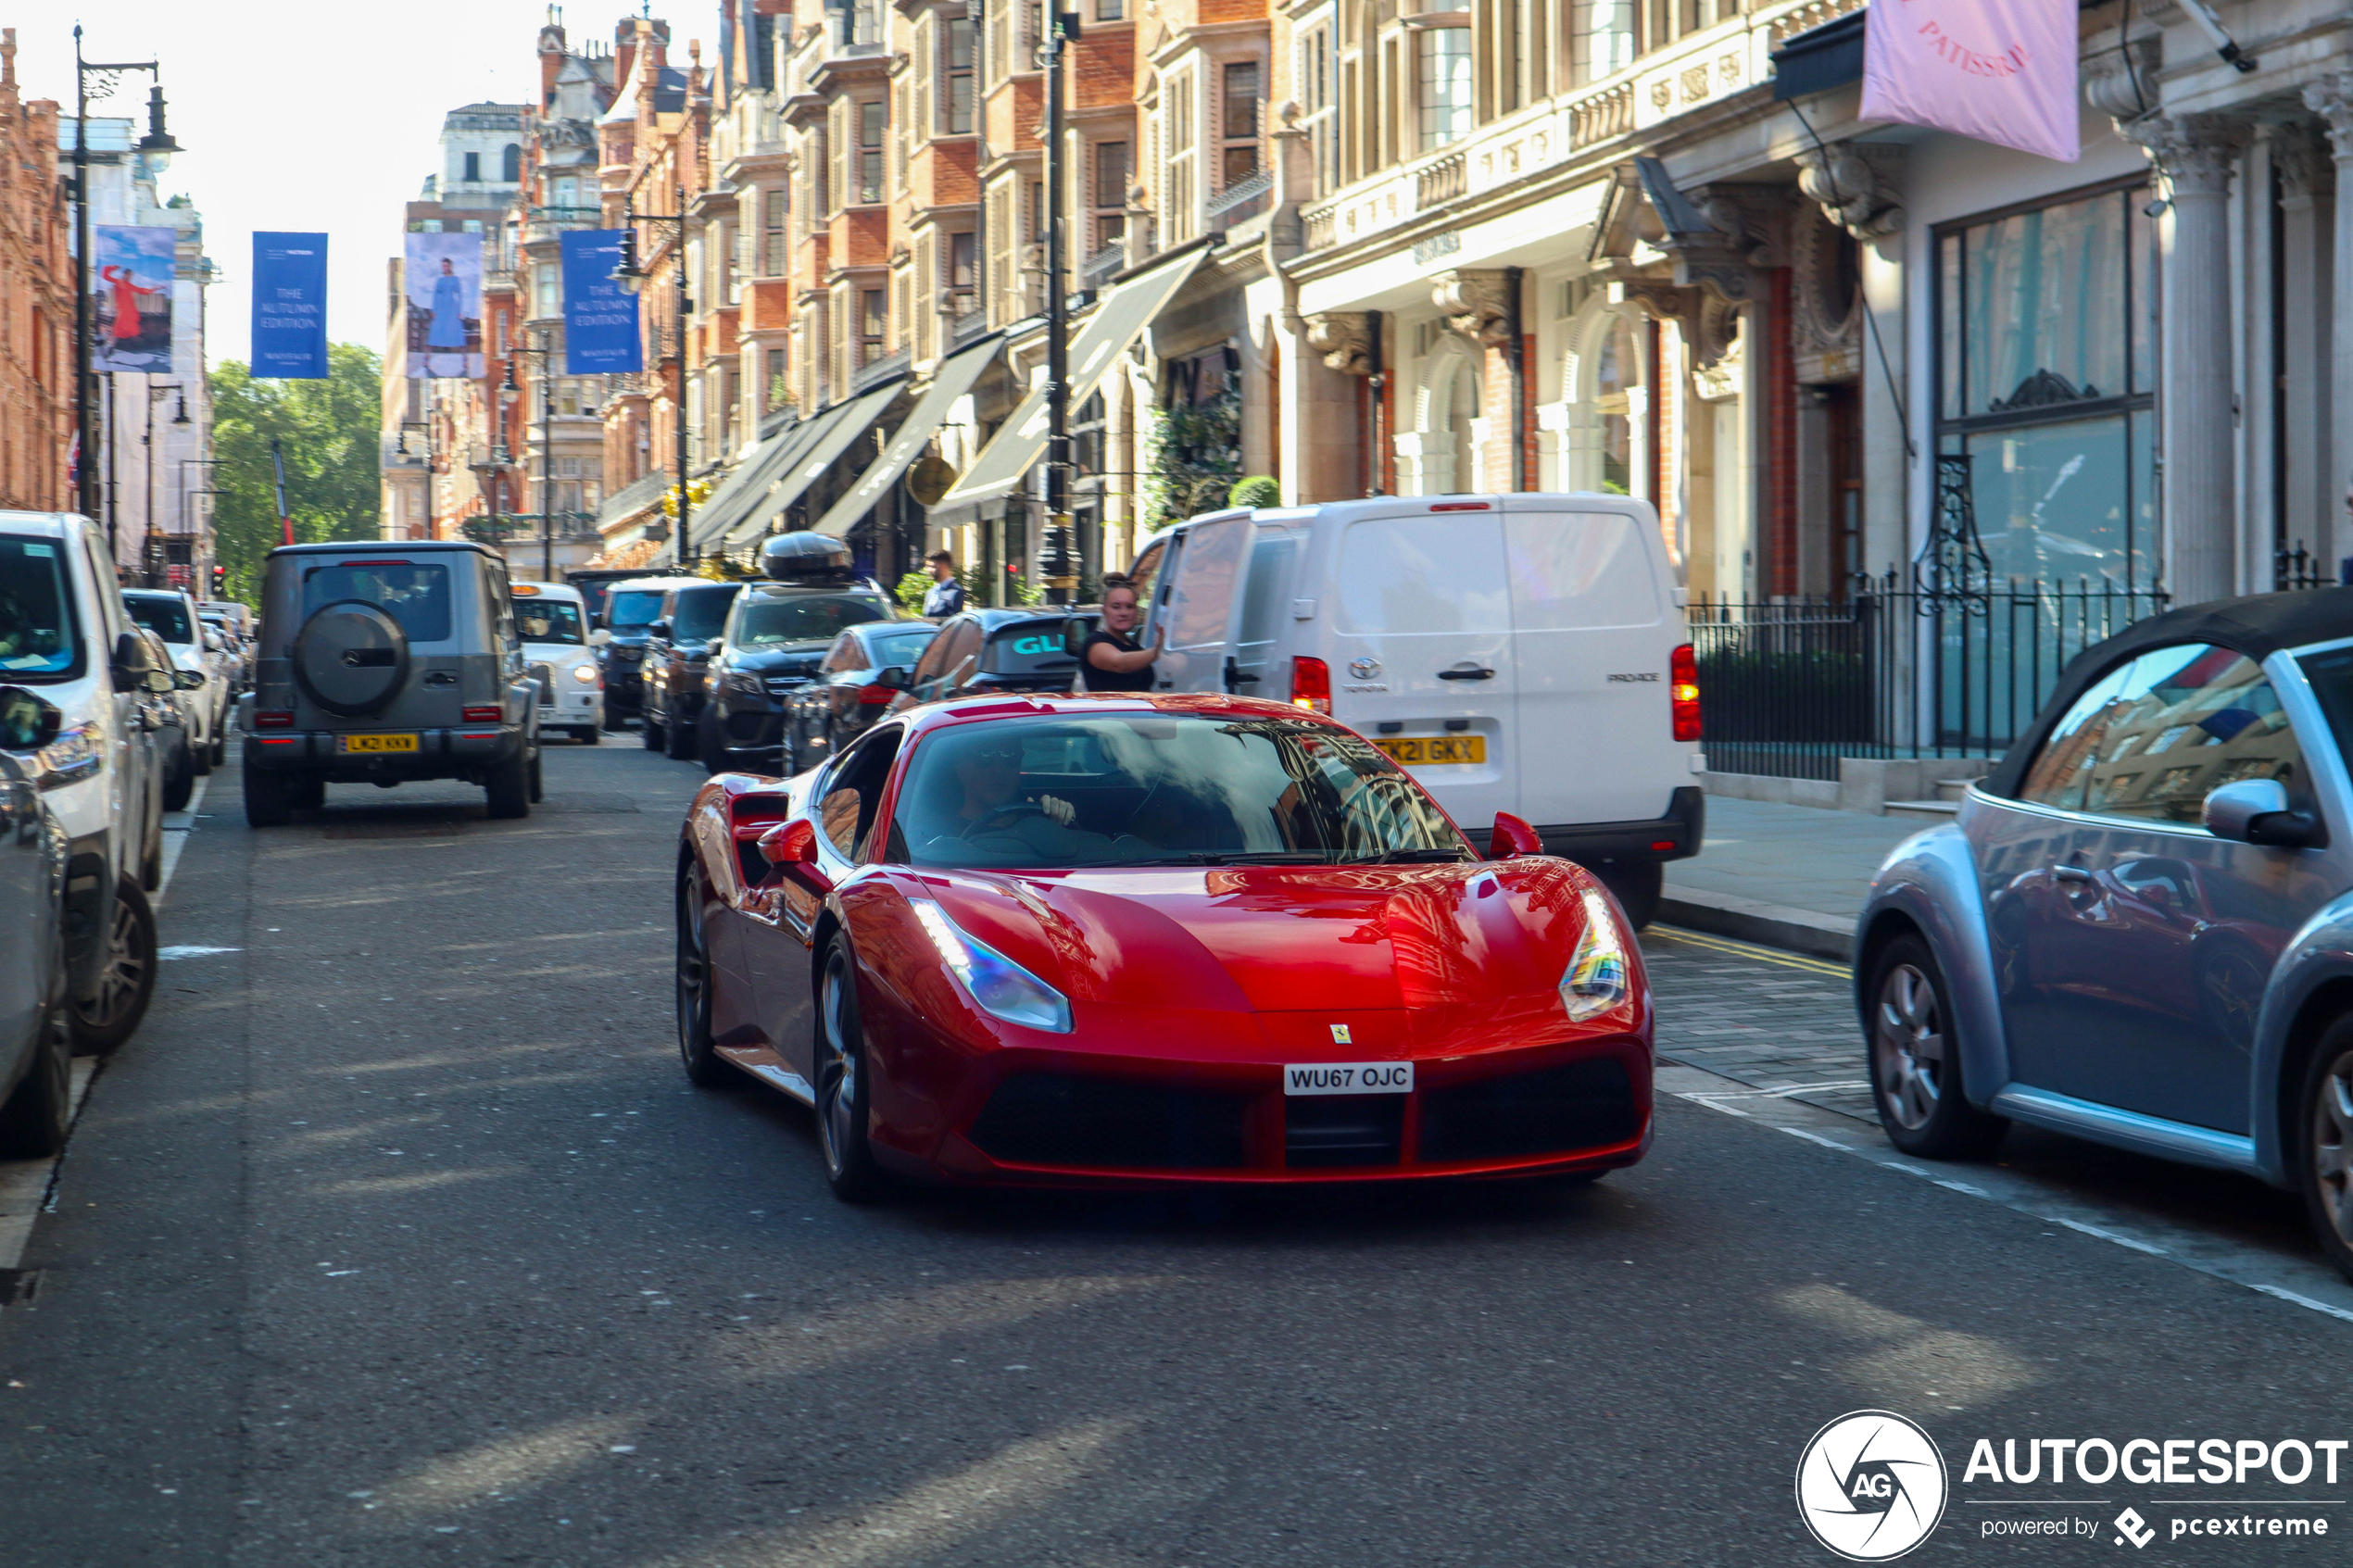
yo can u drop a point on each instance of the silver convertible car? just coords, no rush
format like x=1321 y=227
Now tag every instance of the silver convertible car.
x=2139 y=929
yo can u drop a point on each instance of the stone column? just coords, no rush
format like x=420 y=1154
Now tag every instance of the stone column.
x=2197 y=154
x=2310 y=486
x=2332 y=100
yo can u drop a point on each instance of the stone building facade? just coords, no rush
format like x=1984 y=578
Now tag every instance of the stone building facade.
x=36 y=302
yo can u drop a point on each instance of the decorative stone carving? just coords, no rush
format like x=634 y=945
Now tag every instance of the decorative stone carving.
x=1478 y=303
x=1824 y=301
x=1345 y=339
x=2122 y=82
x=1709 y=322
x=2198 y=152
x=2332 y=100
x=2301 y=154
x=1849 y=191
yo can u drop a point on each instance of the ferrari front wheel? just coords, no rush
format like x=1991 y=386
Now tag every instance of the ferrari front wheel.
x=844 y=1089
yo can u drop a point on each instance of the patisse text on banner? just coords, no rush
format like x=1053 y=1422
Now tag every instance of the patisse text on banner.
x=130 y=305
x=290 y=305
x=601 y=318
x=1997 y=71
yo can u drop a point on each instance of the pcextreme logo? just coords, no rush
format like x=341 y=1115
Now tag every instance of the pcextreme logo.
x=1870 y=1485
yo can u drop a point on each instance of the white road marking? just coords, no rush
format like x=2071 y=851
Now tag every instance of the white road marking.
x=2302 y=1282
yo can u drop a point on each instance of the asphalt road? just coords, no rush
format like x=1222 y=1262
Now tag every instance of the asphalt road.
x=398 y=1238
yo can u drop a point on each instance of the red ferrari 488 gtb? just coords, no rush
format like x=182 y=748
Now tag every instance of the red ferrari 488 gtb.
x=1123 y=940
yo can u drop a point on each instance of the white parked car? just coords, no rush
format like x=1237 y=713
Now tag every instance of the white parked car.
x=1521 y=652
x=67 y=643
x=553 y=621
x=171 y=615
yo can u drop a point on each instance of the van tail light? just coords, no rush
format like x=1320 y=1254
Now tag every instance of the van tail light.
x=875 y=697
x=489 y=715
x=1311 y=685
x=1682 y=674
x=273 y=718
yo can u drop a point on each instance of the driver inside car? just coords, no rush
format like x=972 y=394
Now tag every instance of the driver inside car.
x=977 y=809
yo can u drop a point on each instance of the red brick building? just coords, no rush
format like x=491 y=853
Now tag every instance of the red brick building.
x=36 y=302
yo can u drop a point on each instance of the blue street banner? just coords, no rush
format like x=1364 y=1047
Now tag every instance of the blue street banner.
x=600 y=319
x=131 y=289
x=290 y=305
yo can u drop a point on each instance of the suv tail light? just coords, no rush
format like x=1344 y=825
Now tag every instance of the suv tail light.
x=273 y=718
x=489 y=715
x=1311 y=685
x=1682 y=674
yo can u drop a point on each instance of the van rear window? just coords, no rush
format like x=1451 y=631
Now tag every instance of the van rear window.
x=1424 y=575
x=417 y=596
x=1577 y=571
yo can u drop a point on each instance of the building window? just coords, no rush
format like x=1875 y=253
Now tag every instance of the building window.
x=873 y=118
x=961 y=279
x=1609 y=41
x=1110 y=192
x=1110 y=10
x=510 y=165
x=547 y=299
x=1238 y=123
x=778 y=381
x=1178 y=187
x=473 y=175
x=874 y=323
x=2047 y=372
x=773 y=207
x=957 y=88
x=1443 y=61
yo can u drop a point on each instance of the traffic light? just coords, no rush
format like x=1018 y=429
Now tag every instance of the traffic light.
x=219 y=582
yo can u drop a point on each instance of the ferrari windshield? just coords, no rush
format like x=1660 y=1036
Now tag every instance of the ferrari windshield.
x=1161 y=789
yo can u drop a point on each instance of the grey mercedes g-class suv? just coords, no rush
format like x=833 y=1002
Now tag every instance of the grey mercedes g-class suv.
x=383 y=663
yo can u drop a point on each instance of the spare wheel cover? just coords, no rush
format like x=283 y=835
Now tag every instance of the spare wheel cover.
x=351 y=659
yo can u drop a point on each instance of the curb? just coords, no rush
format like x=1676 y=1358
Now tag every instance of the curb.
x=1753 y=920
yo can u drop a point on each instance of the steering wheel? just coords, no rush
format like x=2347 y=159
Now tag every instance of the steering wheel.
x=993 y=821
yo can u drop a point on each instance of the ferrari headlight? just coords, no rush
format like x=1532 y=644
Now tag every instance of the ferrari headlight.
x=584 y=674
x=75 y=755
x=1598 y=971
x=1002 y=987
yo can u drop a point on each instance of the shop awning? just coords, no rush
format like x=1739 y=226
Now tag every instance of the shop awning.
x=822 y=439
x=1127 y=310
x=953 y=380
x=750 y=479
x=1819 y=58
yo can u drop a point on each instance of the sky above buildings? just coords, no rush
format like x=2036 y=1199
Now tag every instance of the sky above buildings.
x=302 y=116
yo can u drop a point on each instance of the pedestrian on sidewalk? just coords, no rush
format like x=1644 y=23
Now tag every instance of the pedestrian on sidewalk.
x=945 y=595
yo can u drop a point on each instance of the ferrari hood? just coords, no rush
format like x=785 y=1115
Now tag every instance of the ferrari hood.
x=1279 y=939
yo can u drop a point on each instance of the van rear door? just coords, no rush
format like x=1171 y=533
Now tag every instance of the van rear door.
x=1202 y=607
x=1421 y=653
x=1594 y=629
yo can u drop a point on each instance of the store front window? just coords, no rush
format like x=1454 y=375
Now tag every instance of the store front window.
x=2046 y=340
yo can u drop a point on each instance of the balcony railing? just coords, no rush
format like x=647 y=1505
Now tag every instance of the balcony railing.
x=1244 y=198
x=967 y=325
x=1601 y=116
x=1103 y=266
x=1441 y=181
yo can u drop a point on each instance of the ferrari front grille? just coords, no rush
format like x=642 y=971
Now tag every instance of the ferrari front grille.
x=1110 y=1124
x=1554 y=1109
x=1321 y=1131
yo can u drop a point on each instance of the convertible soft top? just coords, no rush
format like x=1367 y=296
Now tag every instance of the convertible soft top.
x=2258 y=626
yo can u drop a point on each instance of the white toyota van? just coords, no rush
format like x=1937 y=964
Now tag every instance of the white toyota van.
x=1521 y=652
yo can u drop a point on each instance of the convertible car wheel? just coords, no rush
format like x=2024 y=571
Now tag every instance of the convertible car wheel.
x=704 y=1070
x=2328 y=1152
x=842 y=1087
x=1915 y=1059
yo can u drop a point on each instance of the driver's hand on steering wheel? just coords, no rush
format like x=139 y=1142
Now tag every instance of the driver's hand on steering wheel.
x=1057 y=807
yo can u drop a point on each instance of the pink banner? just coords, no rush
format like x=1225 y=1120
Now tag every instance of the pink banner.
x=1998 y=70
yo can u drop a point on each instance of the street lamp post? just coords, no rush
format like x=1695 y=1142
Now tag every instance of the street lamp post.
x=151 y=547
x=1054 y=552
x=632 y=279
x=158 y=143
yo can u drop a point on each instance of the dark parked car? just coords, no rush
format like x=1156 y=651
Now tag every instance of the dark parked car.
x=999 y=650
x=383 y=663
x=775 y=643
x=2137 y=930
x=36 y=1049
x=678 y=648
x=862 y=674
x=628 y=609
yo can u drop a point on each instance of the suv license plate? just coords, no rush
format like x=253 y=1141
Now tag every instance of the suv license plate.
x=1427 y=751
x=375 y=743
x=1349 y=1078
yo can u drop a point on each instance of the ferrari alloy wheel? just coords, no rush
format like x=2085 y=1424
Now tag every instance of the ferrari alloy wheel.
x=1915 y=1059
x=126 y=975
x=2328 y=1149
x=704 y=1070
x=843 y=1090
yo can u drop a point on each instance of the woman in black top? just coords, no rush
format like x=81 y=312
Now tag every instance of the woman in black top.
x=1111 y=661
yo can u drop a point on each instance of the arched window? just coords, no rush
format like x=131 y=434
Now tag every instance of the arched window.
x=1438 y=457
x=511 y=169
x=1607 y=449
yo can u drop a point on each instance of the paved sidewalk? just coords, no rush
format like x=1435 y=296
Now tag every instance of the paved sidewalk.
x=1782 y=1024
x=1787 y=876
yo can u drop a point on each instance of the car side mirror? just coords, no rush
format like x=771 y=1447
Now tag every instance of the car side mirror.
x=188 y=680
x=1076 y=631
x=791 y=848
x=1513 y=836
x=659 y=628
x=895 y=676
x=27 y=723
x=160 y=681
x=2258 y=812
x=712 y=647
x=131 y=663
x=599 y=636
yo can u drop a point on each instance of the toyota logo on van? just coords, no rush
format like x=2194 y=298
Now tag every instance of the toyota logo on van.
x=1364 y=669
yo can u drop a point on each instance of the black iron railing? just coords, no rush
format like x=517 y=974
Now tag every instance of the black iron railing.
x=1909 y=664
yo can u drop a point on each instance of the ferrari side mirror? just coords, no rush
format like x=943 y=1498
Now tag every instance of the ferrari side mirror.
x=1513 y=836
x=791 y=848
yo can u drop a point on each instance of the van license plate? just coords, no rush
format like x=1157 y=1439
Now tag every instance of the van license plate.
x=375 y=743
x=1429 y=751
